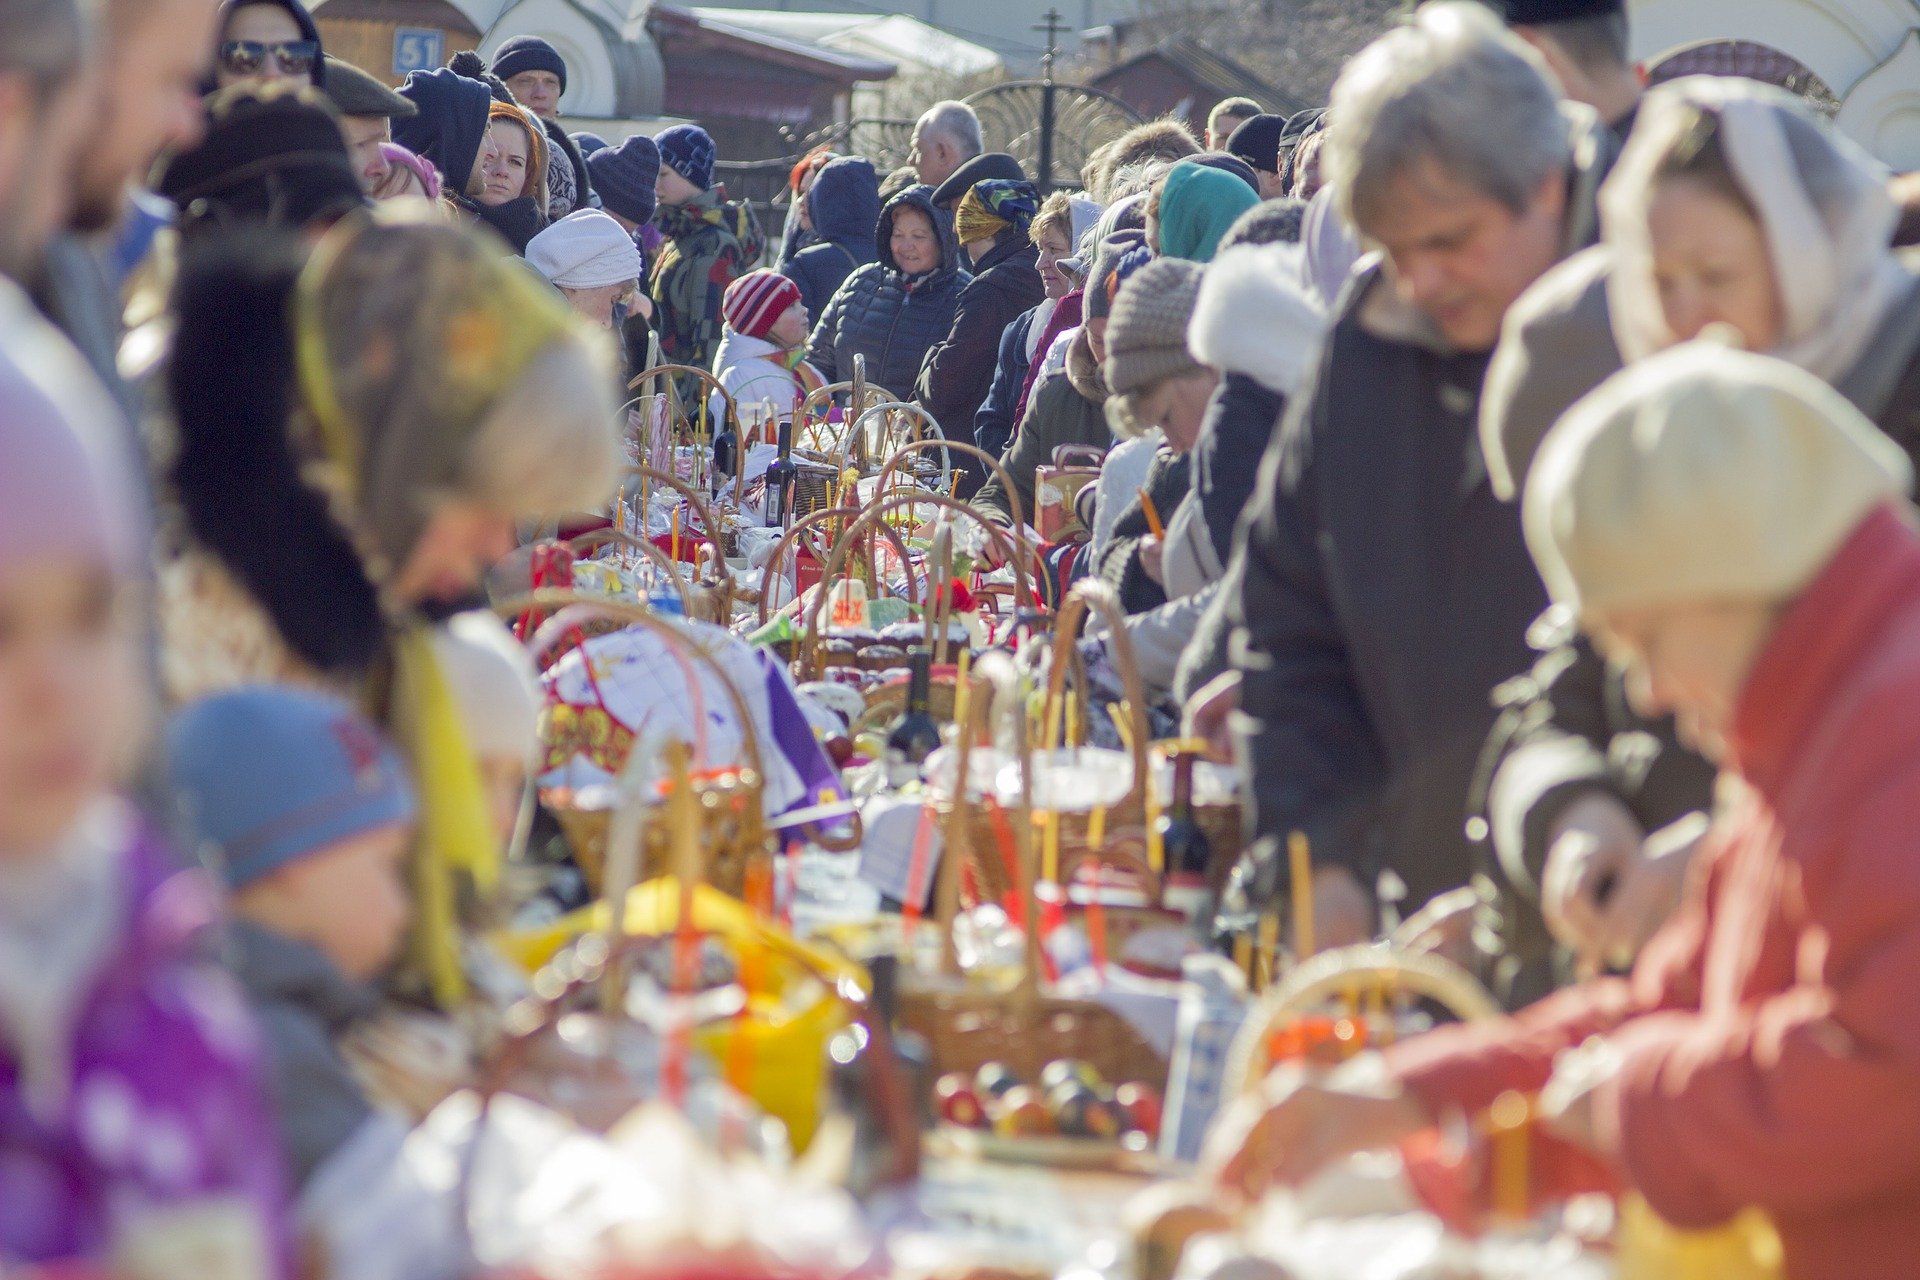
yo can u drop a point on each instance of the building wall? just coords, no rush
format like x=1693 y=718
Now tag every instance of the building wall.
x=1865 y=50
x=1153 y=88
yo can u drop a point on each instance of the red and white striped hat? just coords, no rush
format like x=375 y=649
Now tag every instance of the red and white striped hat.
x=754 y=303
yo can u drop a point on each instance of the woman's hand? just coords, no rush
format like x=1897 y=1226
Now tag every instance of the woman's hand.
x=1294 y=1126
x=1210 y=714
x=1152 y=552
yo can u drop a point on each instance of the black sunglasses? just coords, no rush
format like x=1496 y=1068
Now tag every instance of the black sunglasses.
x=249 y=57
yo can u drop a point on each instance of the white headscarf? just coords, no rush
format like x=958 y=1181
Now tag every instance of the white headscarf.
x=1824 y=210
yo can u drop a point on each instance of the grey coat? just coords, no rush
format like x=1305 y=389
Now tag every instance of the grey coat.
x=303 y=1004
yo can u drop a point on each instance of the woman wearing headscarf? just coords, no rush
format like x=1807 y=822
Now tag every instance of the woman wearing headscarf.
x=404 y=398
x=1056 y=233
x=1734 y=205
x=1192 y=208
x=892 y=310
x=992 y=223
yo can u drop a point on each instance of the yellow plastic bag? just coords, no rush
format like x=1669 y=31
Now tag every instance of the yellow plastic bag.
x=776 y=1053
x=1748 y=1248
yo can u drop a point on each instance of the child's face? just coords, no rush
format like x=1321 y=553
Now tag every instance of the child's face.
x=70 y=700
x=505 y=781
x=349 y=900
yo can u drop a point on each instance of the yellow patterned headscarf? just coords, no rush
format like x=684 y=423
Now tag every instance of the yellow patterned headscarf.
x=408 y=332
x=972 y=220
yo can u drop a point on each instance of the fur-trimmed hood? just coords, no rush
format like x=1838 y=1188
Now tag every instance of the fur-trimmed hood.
x=1256 y=316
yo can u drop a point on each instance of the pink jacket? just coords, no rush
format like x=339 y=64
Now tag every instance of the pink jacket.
x=1771 y=1032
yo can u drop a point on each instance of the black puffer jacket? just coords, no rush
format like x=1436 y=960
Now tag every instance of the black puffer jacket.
x=959 y=370
x=891 y=318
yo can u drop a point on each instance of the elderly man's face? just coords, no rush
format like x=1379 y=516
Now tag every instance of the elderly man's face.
x=934 y=156
x=1461 y=257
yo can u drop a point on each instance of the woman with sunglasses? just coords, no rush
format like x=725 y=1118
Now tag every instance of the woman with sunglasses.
x=266 y=40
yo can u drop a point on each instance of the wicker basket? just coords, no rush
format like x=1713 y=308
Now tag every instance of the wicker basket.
x=732 y=816
x=1025 y=1027
x=990 y=835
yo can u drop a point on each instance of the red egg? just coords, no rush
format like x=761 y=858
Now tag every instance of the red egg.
x=1141 y=1105
x=958 y=1103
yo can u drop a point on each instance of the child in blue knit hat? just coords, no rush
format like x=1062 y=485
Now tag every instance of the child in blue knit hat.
x=306 y=813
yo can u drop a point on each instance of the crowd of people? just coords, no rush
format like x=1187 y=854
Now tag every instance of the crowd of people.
x=1507 y=467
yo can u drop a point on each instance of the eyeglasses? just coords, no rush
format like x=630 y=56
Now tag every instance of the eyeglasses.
x=249 y=57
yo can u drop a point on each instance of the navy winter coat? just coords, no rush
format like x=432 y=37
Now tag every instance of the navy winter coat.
x=891 y=318
x=960 y=368
x=844 y=203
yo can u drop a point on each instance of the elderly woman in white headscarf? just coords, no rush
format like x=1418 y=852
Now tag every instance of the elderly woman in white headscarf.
x=1734 y=204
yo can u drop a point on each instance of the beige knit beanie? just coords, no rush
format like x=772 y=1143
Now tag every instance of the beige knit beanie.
x=1702 y=473
x=1147 y=335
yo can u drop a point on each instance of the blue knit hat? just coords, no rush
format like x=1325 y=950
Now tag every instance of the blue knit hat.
x=588 y=143
x=269 y=775
x=625 y=178
x=529 y=53
x=687 y=149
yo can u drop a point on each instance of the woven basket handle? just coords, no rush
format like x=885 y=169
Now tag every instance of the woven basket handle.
x=875 y=515
x=1098 y=597
x=701 y=507
x=593 y=539
x=552 y=600
x=971 y=450
x=698 y=418
x=806 y=524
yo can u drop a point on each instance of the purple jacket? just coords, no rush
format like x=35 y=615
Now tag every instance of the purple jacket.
x=166 y=1109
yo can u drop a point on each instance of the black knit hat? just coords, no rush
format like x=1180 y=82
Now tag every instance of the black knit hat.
x=1227 y=162
x=626 y=177
x=991 y=166
x=1534 y=13
x=1257 y=141
x=271 y=154
x=358 y=94
x=529 y=53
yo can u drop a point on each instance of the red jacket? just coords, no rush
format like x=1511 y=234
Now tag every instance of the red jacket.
x=1771 y=1032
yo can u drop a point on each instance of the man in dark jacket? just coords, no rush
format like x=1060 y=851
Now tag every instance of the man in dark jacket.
x=993 y=222
x=1386 y=591
x=893 y=309
x=537 y=76
x=842 y=209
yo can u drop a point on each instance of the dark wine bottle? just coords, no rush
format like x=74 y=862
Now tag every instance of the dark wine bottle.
x=916 y=734
x=1183 y=845
x=780 y=478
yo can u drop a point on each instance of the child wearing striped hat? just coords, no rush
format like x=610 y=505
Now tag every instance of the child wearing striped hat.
x=762 y=359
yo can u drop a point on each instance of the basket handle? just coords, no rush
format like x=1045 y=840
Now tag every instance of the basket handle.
x=1063 y=455
x=593 y=539
x=874 y=515
x=925 y=430
x=701 y=507
x=1337 y=972
x=699 y=420
x=971 y=450
x=553 y=600
x=807 y=523
x=1097 y=597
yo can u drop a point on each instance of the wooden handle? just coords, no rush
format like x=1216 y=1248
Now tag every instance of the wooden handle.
x=993 y=464
x=1096 y=597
